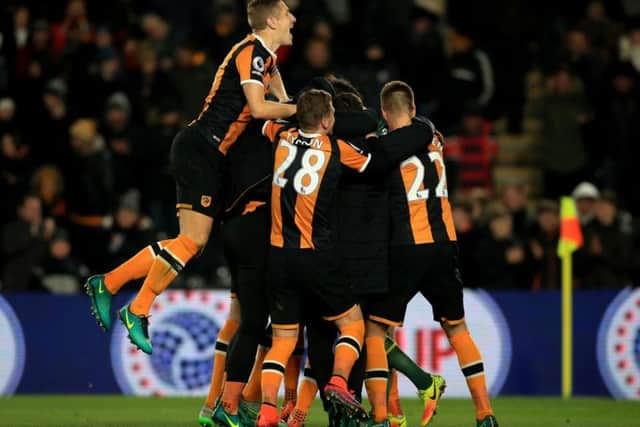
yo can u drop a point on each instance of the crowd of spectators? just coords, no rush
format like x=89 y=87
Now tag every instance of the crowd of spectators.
x=93 y=92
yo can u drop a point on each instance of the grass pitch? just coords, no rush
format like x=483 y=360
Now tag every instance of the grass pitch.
x=120 y=411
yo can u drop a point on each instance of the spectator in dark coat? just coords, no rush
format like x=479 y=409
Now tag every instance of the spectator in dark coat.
x=63 y=273
x=192 y=75
x=24 y=245
x=130 y=231
x=607 y=255
x=543 y=245
x=501 y=255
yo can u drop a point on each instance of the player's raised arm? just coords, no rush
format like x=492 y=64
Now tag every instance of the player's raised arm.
x=260 y=108
x=276 y=86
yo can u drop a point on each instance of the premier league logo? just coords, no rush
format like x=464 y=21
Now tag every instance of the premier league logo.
x=12 y=354
x=184 y=327
x=619 y=345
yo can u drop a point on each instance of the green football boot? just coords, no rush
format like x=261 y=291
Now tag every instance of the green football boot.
x=205 y=417
x=488 y=421
x=137 y=328
x=397 y=421
x=248 y=412
x=224 y=419
x=100 y=300
x=430 y=398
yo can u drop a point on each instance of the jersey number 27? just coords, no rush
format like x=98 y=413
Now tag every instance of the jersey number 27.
x=415 y=193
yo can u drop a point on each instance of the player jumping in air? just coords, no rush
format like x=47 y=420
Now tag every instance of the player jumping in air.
x=198 y=158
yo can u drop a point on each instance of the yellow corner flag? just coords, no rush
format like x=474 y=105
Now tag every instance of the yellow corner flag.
x=570 y=241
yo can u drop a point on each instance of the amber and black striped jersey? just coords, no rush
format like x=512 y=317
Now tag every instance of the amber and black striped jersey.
x=420 y=209
x=306 y=172
x=226 y=114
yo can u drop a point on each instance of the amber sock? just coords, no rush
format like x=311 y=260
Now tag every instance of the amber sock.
x=164 y=269
x=273 y=367
x=472 y=367
x=348 y=347
x=225 y=336
x=394 y=406
x=134 y=268
x=252 y=390
x=306 y=393
x=376 y=377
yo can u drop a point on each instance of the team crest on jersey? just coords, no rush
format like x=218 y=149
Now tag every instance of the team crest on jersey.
x=205 y=201
x=618 y=345
x=12 y=349
x=258 y=64
x=184 y=327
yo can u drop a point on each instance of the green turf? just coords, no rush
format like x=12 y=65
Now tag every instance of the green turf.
x=118 y=411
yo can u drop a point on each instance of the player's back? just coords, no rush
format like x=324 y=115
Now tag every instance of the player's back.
x=420 y=209
x=307 y=169
x=225 y=114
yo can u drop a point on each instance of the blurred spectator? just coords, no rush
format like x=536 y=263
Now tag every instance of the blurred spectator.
x=192 y=76
x=515 y=197
x=47 y=183
x=501 y=255
x=562 y=110
x=473 y=151
x=584 y=63
x=607 y=255
x=162 y=40
x=121 y=141
x=629 y=45
x=50 y=137
x=620 y=120
x=478 y=199
x=543 y=245
x=585 y=195
x=376 y=70
x=228 y=29
x=7 y=115
x=18 y=42
x=131 y=231
x=73 y=30
x=109 y=79
x=15 y=169
x=62 y=272
x=599 y=29
x=316 y=62
x=470 y=79
x=89 y=190
x=24 y=245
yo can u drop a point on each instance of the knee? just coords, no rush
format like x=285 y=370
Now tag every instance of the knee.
x=453 y=329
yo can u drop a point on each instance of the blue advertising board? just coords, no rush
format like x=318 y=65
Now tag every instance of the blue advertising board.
x=50 y=344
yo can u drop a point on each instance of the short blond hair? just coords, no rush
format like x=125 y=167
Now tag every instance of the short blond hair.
x=397 y=96
x=258 y=11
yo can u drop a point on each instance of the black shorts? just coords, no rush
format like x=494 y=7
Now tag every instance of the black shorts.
x=198 y=169
x=303 y=278
x=431 y=269
x=246 y=241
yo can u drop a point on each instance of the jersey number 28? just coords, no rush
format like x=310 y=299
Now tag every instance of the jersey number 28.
x=312 y=162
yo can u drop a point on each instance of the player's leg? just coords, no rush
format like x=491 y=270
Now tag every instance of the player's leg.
x=198 y=168
x=306 y=394
x=470 y=361
x=102 y=287
x=443 y=288
x=396 y=415
x=284 y=294
x=291 y=375
x=399 y=361
x=377 y=371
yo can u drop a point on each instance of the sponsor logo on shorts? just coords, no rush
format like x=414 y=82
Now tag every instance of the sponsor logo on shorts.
x=618 y=345
x=12 y=349
x=184 y=327
x=205 y=201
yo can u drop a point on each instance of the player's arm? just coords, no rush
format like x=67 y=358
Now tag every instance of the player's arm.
x=271 y=129
x=354 y=124
x=276 y=86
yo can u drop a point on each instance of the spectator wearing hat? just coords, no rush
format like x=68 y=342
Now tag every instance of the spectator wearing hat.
x=585 y=195
x=543 y=245
x=606 y=258
x=62 y=271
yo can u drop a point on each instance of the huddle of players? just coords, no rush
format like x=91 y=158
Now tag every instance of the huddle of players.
x=280 y=218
